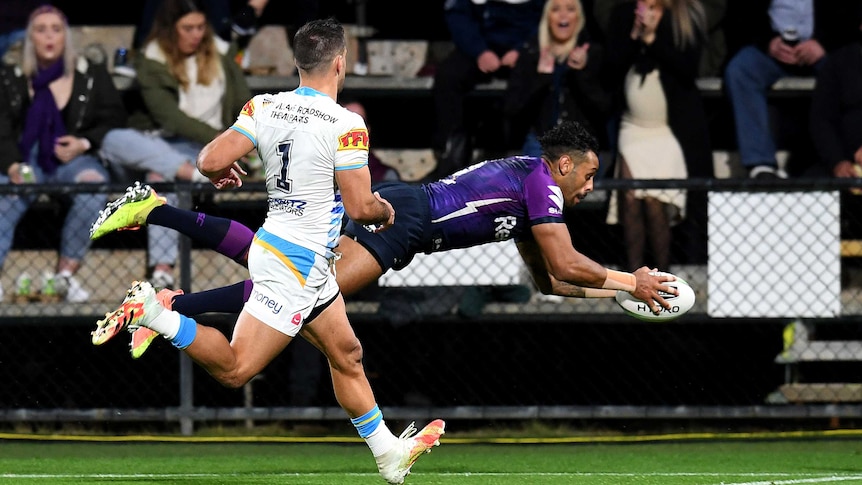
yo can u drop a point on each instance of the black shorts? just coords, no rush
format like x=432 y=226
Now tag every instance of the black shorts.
x=395 y=247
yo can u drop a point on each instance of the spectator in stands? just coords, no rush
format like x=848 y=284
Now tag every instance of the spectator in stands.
x=127 y=152
x=487 y=36
x=836 y=112
x=191 y=87
x=55 y=111
x=656 y=47
x=835 y=124
x=714 y=51
x=785 y=38
x=189 y=83
x=556 y=77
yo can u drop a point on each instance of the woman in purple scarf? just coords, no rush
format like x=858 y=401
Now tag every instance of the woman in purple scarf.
x=53 y=116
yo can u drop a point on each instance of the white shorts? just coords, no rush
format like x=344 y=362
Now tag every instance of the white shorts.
x=285 y=293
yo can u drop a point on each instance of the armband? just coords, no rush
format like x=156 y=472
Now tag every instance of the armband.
x=618 y=280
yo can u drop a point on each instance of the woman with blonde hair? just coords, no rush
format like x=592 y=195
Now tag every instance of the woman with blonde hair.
x=556 y=77
x=657 y=46
x=55 y=110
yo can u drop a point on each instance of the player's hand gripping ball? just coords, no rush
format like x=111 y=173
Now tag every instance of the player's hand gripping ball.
x=680 y=304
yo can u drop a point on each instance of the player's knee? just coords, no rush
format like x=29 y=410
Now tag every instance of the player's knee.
x=232 y=380
x=348 y=358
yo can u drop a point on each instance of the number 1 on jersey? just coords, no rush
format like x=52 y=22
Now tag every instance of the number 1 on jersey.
x=282 y=181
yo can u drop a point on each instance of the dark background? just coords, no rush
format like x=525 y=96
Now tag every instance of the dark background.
x=423 y=20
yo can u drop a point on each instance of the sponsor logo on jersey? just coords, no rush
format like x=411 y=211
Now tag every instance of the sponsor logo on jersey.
x=556 y=197
x=267 y=302
x=504 y=227
x=248 y=109
x=290 y=206
x=355 y=139
x=296 y=319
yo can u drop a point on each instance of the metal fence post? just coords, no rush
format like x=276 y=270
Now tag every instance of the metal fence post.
x=186 y=390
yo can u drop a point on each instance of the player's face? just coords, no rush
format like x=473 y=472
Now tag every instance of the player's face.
x=579 y=182
x=191 y=28
x=48 y=37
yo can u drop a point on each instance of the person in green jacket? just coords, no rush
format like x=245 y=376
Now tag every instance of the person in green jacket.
x=189 y=82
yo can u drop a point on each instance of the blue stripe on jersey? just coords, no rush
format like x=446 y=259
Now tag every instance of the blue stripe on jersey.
x=351 y=166
x=244 y=132
x=298 y=259
x=335 y=223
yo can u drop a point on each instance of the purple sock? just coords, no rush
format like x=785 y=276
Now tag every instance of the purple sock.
x=227 y=299
x=225 y=236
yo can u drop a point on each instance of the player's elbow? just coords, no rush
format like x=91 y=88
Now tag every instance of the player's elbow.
x=364 y=213
x=206 y=163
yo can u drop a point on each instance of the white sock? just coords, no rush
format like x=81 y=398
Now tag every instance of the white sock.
x=381 y=440
x=167 y=323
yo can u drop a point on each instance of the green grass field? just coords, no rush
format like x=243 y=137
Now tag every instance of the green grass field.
x=456 y=461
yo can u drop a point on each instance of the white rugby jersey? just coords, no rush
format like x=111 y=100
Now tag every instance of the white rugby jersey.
x=303 y=136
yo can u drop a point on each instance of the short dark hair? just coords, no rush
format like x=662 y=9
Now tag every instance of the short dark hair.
x=318 y=42
x=568 y=137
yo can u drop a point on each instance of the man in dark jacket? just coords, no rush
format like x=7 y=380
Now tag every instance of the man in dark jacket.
x=487 y=35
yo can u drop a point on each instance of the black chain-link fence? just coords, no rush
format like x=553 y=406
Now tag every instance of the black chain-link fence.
x=776 y=330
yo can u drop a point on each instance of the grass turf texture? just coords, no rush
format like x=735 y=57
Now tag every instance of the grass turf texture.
x=782 y=462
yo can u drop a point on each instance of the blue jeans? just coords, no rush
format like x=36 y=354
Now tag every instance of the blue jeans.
x=132 y=155
x=84 y=208
x=748 y=78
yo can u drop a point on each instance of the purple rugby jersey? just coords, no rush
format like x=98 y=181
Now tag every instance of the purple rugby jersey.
x=492 y=201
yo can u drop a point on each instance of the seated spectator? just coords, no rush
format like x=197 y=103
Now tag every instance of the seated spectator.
x=131 y=154
x=836 y=112
x=663 y=132
x=835 y=124
x=190 y=85
x=786 y=38
x=55 y=131
x=487 y=36
x=556 y=77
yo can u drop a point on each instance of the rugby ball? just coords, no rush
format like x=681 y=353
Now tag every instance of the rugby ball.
x=680 y=304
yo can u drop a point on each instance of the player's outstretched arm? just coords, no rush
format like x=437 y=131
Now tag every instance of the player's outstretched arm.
x=547 y=284
x=567 y=265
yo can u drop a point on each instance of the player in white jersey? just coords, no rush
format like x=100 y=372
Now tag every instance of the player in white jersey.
x=309 y=146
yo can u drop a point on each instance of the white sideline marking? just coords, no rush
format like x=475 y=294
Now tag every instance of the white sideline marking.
x=801 y=480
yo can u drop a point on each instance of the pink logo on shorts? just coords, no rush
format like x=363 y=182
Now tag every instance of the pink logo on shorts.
x=297 y=319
